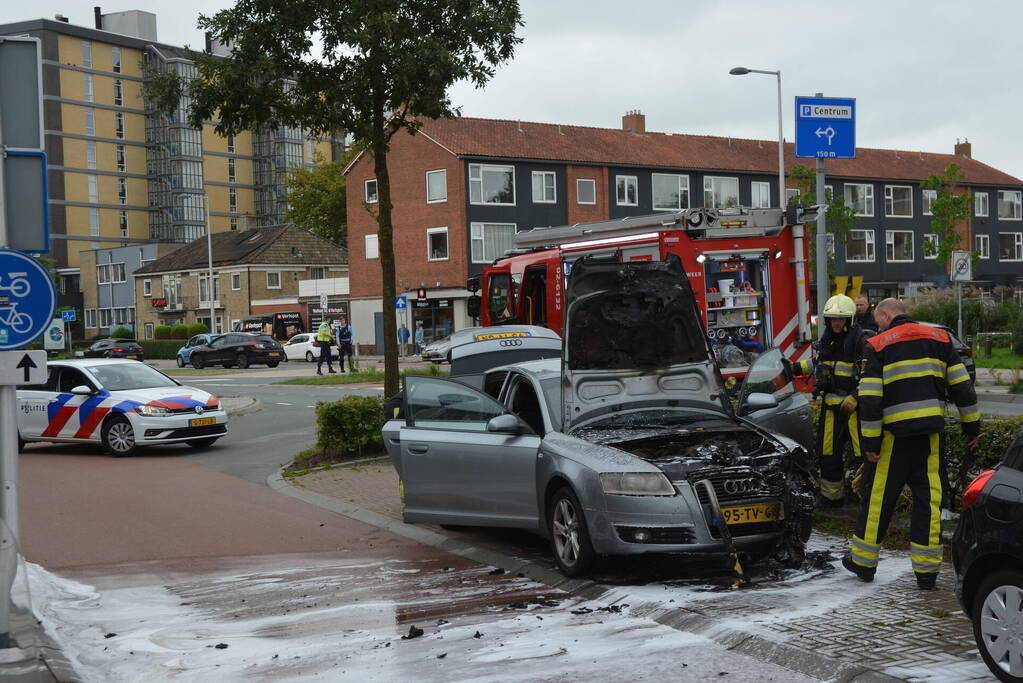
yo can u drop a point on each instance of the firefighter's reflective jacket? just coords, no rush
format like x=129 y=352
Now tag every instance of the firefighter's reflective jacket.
x=836 y=369
x=908 y=370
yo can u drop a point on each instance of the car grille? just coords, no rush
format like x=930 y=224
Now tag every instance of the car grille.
x=724 y=491
x=186 y=432
x=657 y=535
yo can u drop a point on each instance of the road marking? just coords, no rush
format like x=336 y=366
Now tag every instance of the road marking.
x=216 y=381
x=285 y=404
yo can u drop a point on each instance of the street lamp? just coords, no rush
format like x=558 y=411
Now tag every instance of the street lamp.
x=742 y=71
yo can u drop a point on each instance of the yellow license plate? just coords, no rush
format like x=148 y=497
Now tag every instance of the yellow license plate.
x=274 y=353
x=133 y=357
x=747 y=514
x=202 y=421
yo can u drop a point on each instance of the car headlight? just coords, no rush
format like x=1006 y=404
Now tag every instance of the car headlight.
x=151 y=411
x=636 y=484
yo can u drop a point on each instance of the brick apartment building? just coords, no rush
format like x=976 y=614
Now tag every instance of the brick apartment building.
x=463 y=187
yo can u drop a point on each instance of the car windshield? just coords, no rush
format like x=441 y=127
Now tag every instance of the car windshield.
x=127 y=376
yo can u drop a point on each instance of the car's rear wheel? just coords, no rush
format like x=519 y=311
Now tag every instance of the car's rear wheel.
x=272 y=364
x=998 y=624
x=119 y=437
x=197 y=361
x=570 y=539
x=181 y=362
x=243 y=361
x=202 y=443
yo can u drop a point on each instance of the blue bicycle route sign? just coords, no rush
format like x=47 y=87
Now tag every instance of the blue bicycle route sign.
x=826 y=127
x=27 y=299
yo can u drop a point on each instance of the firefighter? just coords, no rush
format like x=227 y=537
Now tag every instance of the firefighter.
x=908 y=370
x=835 y=374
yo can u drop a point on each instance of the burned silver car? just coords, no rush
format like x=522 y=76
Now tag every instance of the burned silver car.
x=626 y=445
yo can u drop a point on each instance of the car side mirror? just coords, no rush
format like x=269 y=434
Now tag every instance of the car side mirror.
x=82 y=390
x=504 y=424
x=755 y=402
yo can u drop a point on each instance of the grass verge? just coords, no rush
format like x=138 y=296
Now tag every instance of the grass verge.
x=999 y=358
x=318 y=458
x=363 y=376
x=192 y=372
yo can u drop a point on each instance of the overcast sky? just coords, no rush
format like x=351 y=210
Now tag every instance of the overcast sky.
x=923 y=74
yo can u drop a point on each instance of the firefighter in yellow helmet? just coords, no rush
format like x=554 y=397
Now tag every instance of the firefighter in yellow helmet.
x=840 y=351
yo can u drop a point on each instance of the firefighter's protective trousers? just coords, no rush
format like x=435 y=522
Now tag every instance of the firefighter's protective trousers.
x=912 y=461
x=833 y=432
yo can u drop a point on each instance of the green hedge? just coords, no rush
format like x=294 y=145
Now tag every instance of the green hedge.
x=351 y=424
x=161 y=349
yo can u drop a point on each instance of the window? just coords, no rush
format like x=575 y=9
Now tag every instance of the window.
x=122 y=221
x=119 y=125
x=90 y=317
x=490 y=240
x=94 y=222
x=860 y=246
x=860 y=198
x=720 y=193
x=122 y=190
x=172 y=289
x=371 y=191
x=234 y=222
x=230 y=144
x=930 y=245
x=90 y=153
x=93 y=184
x=491 y=184
x=232 y=200
x=103 y=274
x=372 y=247
x=585 y=191
x=671 y=192
x=204 y=287
x=760 y=195
x=316 y=273
x=87 y=93
x=147 y=288
x=791 y=195
x=446 y=404
x=543 y=187
x=437 y=244
x=982 y=245
x=115 y=57
x=106 y=317
x=1010 y=246
x=627 y=188
x=148 y=327
x=117 y=272
x=90 y=121
x=232 y=175
x=1009 y=205
x=898 y=201
x=236 y=281
x=898 y=245
x=929 y=196
x=121 y=166
x=436 y=186
x=118 y=92
x=980 y=204
x=86 y=54
x=273 y=280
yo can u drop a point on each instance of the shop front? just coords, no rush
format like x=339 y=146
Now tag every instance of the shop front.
x=436 y=316
x=315 y=314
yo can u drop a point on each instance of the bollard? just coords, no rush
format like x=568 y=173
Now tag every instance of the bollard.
x=987 y=345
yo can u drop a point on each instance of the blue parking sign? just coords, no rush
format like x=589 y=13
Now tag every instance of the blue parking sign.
x=826 y=127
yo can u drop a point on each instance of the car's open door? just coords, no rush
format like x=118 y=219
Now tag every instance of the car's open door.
x=769 y=398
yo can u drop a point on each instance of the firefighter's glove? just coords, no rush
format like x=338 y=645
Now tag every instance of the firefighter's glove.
x=848 y=405
x=789 y=367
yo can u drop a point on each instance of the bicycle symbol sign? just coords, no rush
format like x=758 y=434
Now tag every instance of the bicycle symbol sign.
x=27 y=299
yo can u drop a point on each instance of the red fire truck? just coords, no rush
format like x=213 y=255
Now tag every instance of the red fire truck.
x=746 y=267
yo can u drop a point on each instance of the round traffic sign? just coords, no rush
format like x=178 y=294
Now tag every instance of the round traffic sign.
x=27 y=299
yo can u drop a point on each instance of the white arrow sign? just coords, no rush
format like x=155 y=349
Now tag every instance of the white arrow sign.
x=22 y=367
x=829 y=131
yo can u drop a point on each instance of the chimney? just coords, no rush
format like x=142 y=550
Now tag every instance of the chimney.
x=964 y=149
x=60 y=17
x=634 y=122
x=98 y=13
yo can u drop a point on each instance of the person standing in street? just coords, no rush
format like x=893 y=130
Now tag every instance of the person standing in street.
x=324 y=339
x=909 y=369
x=343 y=337
x=420 y=339
x=403 y=337
x=864 y=316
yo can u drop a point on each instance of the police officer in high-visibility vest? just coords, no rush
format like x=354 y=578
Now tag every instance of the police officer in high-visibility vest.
x=325 y=338
x=908 y=371
x=835 y=376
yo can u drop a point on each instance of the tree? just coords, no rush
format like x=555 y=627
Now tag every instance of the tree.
x=368 y=67
x=316 y=199
x=949 y=209
x=839 y=219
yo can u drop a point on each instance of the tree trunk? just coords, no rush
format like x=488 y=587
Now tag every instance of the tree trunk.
x=385 y=239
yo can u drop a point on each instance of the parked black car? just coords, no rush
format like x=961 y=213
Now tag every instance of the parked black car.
x=964 y=351
x=239 y=348
x=987 y=551
x=115 y=348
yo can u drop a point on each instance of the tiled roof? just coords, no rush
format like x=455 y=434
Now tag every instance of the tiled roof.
x=273 y=244
x=472 y=137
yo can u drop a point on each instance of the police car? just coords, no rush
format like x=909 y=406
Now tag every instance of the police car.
x=122 y=404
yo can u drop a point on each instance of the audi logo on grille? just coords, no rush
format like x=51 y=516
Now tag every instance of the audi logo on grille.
x=741 y=485
x=511 y=342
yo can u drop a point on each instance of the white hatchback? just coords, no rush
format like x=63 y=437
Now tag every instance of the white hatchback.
x=300 y=347
x=121 y=404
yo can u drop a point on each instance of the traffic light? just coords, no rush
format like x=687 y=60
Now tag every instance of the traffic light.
x=421 y=293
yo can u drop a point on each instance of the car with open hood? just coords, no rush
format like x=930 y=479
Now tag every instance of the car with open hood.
x=121 y=404
x=628 y=444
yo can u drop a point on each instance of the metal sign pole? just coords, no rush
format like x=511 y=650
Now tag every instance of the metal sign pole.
x=821 y=262
x=9 y=529
x=209 y=263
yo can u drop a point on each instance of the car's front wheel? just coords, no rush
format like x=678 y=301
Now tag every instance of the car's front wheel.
x=309 y=357
x=243 y=361
x=272 y=364
x=119 y=437
x=570 y=539
x=998 y=624
x=181 y=362
x=201 y=443
x=197 y=362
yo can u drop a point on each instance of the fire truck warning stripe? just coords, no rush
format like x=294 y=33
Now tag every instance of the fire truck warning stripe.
x=90 y=423
x=59 y=420
x=786 y=331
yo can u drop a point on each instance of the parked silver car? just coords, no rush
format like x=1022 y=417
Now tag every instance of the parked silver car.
x=627 y=445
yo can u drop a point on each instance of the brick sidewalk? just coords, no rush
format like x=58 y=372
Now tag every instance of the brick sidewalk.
x=893 y=627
